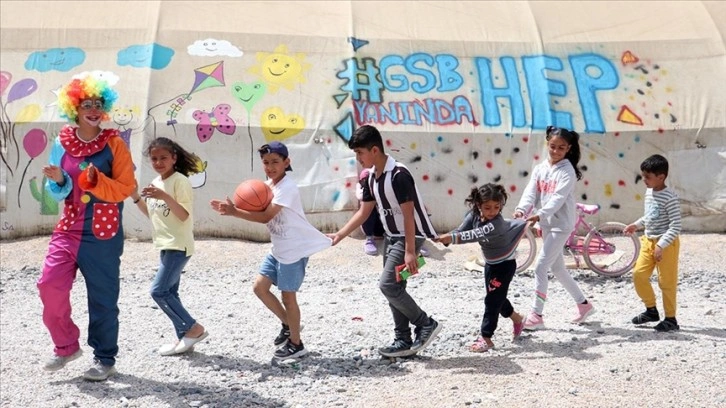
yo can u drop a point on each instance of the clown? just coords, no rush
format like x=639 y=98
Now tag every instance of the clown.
x=90 y=169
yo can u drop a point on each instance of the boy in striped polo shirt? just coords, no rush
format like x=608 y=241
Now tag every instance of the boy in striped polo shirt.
x=391 y=188
x=659 y=245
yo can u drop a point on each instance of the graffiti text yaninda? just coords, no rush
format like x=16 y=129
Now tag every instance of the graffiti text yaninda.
x=523 y=89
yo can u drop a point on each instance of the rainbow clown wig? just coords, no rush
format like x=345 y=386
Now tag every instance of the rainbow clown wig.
x=72 y=94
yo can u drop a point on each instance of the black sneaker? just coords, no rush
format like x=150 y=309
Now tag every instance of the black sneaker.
x=283 y=336
x=425 y=335
x=668 y=324
x=399 y=348
x=650 y=315
x=290 y=351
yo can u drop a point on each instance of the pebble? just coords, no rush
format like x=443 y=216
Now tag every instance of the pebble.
x=343 y=368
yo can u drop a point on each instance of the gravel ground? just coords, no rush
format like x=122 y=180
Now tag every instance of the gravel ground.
x=605 y=362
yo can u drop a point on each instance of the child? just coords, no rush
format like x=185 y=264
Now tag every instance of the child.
x=168 y=203
x=372 y=227
x=293 y=238
x=659 y=246
x=391 y=187
x=90 y=169
x=498 y=239
x=552 y=186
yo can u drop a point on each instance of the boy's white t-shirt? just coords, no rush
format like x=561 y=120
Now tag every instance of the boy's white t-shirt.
x=292 y=236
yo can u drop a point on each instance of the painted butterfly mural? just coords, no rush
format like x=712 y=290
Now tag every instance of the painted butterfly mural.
x=217 y=119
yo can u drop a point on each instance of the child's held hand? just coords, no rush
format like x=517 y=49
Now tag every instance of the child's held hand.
x=631 y=228
x=224 y=207
x=443 y=239
x=335 y=237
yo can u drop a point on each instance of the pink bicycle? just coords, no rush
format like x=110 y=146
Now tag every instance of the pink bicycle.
x=605 y=249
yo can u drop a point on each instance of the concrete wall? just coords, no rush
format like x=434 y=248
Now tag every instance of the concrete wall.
x=462 y=92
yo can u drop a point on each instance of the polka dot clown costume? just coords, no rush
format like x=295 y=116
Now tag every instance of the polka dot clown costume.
x=92 y=172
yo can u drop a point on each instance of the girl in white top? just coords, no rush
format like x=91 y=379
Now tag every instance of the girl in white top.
x=168 y=203
x=550 y=192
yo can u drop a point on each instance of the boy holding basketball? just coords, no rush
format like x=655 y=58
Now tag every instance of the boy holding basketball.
x=293 y=238
x=391 y=187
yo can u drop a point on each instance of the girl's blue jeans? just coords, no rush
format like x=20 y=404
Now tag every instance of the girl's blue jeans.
x=165 y=290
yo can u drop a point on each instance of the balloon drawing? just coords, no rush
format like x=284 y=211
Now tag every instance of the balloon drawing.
x=21 y=89
x=248 y=95
x=30 y=113
x=34 y=143
x=5 y=78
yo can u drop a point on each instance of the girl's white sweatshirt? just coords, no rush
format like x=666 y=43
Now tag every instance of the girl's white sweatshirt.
x=551 y=189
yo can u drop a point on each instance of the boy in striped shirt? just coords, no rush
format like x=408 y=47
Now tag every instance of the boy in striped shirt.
x=391 y=188
x=659 y=245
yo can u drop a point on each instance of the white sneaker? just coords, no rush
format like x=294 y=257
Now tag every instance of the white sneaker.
x=58 y=362
x=168 y=349
x=99 y=372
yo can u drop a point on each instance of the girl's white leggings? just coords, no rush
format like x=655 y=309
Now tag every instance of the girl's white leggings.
x=551 y=258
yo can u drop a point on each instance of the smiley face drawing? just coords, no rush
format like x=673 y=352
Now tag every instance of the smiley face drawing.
x=279 y=69
x=123 y=115
x=248 y=94
x=276 y=125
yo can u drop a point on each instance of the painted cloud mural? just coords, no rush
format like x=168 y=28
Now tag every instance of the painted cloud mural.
x=55 y=59
x=153 y=55
x=108 y=76
x=212 y=47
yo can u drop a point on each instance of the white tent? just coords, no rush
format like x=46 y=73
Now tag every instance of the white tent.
x=461 y=91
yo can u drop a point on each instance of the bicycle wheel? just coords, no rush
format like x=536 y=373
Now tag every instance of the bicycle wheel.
x=526 y=251
x=608 y=251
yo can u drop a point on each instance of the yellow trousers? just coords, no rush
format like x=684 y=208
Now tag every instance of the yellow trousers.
x=667 y=274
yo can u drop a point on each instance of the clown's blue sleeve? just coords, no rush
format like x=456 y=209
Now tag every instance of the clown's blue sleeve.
x=56 y=191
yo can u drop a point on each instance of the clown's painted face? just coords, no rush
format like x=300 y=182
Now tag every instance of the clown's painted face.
x=91 y=111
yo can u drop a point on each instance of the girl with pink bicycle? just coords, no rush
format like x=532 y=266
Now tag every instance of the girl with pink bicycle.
x=551 y=190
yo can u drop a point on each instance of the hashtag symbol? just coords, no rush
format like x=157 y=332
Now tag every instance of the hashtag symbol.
x=365 y=78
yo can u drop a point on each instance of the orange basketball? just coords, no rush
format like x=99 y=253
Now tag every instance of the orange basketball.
x=252 y=195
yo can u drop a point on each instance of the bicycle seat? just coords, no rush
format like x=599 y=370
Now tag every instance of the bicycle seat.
x=588 y=208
